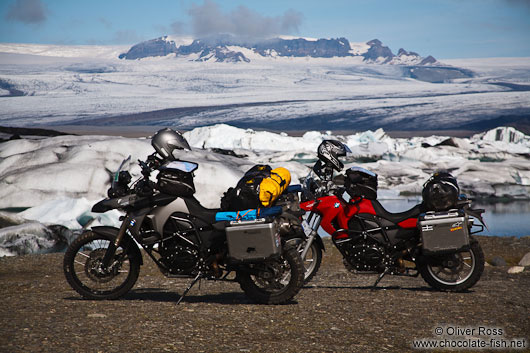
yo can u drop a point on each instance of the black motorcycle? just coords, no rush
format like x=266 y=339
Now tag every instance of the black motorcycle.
x=183 y=238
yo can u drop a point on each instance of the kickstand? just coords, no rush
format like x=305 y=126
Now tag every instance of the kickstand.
x=195 y=280
x=380 y=278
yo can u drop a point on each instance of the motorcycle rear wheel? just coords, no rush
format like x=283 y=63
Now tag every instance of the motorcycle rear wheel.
x=463 y=273
x=84 y=274
x=280 y=289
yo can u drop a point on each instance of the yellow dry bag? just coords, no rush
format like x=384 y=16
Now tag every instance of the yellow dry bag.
x=273 y=186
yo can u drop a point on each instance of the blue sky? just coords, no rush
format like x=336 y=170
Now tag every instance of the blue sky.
x=442 y=28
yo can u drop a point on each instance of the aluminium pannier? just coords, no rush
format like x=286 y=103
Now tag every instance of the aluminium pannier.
x=253 y=240
x=443 y=232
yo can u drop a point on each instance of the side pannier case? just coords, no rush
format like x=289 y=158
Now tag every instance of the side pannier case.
x=443 y=232
x=253 y=240
x=176 y=178
x=360 y=182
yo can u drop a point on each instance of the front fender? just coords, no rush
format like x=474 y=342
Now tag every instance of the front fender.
x=112 y=232
x=297 y=240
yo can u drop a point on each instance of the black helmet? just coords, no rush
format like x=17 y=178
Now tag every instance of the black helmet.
x=440 y=192
x=330 y=150
x=165 y=141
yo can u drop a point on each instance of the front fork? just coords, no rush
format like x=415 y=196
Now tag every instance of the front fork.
x=111 y=250
x=310 y=227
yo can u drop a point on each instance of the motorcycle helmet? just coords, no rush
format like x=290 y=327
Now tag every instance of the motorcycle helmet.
x=165 y=141
x=329 y=152
x=440 y=192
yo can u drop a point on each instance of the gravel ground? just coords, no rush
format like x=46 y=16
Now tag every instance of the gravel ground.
x=336 y=312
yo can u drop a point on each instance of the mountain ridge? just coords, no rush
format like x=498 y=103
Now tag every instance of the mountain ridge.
x=226 y=48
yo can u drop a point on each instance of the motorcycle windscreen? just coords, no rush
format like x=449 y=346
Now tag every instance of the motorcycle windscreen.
x=123 y=166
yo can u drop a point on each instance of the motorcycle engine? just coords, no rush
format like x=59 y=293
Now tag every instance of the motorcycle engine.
x=180 y=258
x=364 y=254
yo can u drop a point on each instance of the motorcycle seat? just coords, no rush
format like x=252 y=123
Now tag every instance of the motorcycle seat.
x=414 y=212
x=195 y=208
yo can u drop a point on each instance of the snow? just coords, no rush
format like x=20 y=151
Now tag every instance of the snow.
x=359 y=48
x=65 y=51
x=406 y=60
x=64 y=84
x=309 y=39
x=179 y=40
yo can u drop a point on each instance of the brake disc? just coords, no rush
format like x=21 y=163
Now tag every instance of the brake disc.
x=93 y=268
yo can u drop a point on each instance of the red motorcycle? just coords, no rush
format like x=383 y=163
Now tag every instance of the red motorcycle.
x=432 y=239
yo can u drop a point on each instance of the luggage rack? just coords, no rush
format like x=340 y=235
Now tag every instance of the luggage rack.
x=248 y=222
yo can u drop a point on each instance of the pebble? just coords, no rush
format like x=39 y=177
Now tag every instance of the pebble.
x=97 y=315
x=516 y=269
x=498 y=261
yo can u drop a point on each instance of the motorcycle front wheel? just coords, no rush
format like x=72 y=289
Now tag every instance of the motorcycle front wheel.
x=311 y=261
x=456 y=272
x=279 y=288
x=83 y=270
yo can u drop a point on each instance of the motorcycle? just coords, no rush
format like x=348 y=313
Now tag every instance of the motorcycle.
x=183 y=238
x=436 y=245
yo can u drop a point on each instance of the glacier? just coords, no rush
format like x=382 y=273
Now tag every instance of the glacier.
x=88 y=85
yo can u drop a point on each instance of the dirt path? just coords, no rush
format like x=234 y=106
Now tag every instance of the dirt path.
x=337 y=312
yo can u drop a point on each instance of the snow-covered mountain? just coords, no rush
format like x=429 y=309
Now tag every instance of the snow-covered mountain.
x=230 y=49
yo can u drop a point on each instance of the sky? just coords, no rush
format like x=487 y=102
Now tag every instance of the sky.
x=442 y=28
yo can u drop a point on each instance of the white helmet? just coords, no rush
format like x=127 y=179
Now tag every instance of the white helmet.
x=165 y=141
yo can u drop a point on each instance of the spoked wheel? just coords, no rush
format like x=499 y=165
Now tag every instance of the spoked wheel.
x=84 y=272
x=455 y=272
x=279 y=281
x=312 y=260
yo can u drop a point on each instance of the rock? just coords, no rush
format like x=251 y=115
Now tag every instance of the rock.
x=516 y=269
x=525 y=261
x=378 y=51
x=216 y=47
x=498 y=261
x=428 y=60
